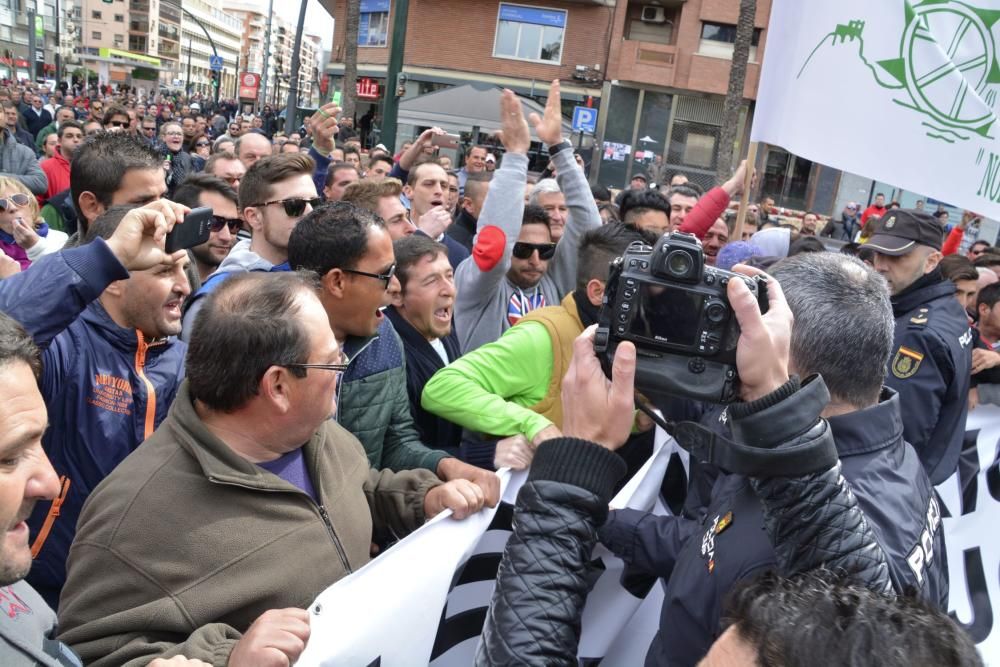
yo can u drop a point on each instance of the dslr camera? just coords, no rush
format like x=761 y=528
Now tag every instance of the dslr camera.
x=677 y=313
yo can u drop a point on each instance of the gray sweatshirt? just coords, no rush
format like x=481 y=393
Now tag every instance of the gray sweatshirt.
x=481 y=305
x=241 y=259
x=28 y=629
x=18 y=161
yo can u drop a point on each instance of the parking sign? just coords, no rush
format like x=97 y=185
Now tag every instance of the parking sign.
x=585 y=120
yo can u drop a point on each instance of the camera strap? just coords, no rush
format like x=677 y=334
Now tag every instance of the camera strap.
x=814 y=455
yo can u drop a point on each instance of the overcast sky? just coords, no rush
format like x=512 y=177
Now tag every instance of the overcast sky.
x=318 y=22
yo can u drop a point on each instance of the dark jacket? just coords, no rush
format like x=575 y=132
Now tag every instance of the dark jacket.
x=548 y=558
x=702 y=562
x=456 y=251
x=422 y=361
x=463 y=229
x=34 y=122
x=930 y=368
x=372 y=403
x=24 y=138
x=843 y=229
x=105 y=388
x=181 y=167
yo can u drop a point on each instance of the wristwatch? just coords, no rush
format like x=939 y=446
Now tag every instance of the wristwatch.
x=561 y=146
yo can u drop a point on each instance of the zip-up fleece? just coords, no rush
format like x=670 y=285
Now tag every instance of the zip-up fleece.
x=186 y=543
x=106 y=389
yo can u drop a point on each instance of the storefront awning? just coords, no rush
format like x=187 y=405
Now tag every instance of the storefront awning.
x=461 y=108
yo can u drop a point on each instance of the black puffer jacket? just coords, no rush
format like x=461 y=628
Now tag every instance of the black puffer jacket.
x=566 y=497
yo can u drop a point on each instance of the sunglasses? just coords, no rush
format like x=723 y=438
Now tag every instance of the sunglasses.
x=119 y=123
x=202 y=144
x=524 y=250
x=14 y=200
x=384 y=277
x=295 y=206
x=218 y=222
x=149 y=129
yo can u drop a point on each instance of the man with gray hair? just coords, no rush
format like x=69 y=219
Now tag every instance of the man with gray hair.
x=842 y=331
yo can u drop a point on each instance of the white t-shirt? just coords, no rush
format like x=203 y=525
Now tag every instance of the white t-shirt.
x=439 y=348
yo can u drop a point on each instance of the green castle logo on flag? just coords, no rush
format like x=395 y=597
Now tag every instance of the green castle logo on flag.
x=946 y=69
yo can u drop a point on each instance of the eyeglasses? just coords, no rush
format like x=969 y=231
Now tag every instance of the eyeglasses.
x=119 y=123
x=202 y=144
x=295 y=206
x=218 y=222
x=173 y=134
x=17 y=199
x=524 y=250
x=384 y=277
x=149 y=129
x=337 y=368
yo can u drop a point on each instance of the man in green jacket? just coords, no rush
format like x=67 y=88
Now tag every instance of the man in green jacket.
x=511 y=387
x=245 y=504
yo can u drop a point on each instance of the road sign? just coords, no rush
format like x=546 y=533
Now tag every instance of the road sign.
x=585 y=120
x=215 y=63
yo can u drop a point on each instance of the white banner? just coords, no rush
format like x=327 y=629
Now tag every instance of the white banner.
x=424 y=601
x=899 y=91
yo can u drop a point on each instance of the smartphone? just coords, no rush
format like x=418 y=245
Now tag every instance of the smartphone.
x=445 y=140
x=336 y=98
x=194 y=230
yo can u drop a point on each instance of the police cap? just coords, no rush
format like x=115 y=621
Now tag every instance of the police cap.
x=901 y=230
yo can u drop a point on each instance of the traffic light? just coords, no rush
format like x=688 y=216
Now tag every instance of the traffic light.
x=216 y=78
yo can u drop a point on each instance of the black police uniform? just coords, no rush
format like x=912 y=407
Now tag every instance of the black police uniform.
x=930 y=368
x=703 y=560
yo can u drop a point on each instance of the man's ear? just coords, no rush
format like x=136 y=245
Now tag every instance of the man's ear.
x=274 y=387
x=334 y=283
x=116 y=289
x=90 y=207
x=252 y=216
x=932 y=261
x=595 y=291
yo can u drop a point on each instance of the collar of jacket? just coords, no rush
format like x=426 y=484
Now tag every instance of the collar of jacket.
x=218 y=461
x=415 y=340
x=355 y=345
x=465 y=220
x=871 y=429
x=927 y=288
x=120 y=337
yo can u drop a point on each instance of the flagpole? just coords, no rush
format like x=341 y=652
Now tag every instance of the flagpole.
x=745 y=197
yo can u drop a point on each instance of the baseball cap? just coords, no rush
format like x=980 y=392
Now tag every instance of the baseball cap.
x=195 y=106
x=490 y=157
x=642 y=176
x=852 y=205
x=901 y=230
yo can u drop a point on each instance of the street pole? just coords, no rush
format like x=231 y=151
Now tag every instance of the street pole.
x=187 y=87
x=33 y=62
x=293 y=80
x=267 y=53
x=390 y=109
x=58 y=48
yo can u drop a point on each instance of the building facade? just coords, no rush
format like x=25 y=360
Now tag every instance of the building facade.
x=15 y=59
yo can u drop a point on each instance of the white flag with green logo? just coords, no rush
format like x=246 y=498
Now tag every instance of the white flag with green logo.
x=897 y=91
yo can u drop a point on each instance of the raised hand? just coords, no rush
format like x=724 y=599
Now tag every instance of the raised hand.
x=514 y=132
x=548 y=127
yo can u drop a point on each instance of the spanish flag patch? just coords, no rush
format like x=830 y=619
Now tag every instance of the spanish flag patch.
x=906 y=362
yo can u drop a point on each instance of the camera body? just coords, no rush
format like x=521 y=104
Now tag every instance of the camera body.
x=676 y=311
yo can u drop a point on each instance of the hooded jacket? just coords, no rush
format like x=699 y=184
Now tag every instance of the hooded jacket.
x=187 y=543
x=239 y=260
x=105 y=387
x=19 y=161
x=27 y=631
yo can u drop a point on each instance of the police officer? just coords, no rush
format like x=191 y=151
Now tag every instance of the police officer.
x=931 y=364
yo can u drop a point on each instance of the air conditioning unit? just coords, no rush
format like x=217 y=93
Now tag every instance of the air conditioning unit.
x=654 y=14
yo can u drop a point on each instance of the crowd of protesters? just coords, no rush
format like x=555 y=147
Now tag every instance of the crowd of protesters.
x=197 y=443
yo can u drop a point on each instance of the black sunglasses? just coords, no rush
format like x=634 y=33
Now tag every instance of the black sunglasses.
x=17 y=199
x=384 y=277
x=337 y=368
x=295 y=206
x=202 y=144
x=218 y=222
x=119 y=123
x=524 y=250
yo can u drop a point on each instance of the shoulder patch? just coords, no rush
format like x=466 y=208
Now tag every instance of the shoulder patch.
x=906 y=362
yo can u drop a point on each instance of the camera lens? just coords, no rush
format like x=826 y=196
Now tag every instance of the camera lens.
x=716 y=312
x=679 y=263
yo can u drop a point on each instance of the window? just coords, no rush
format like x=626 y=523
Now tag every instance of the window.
x=717 y=41
x=373 y=28
x=119 y=18
x=95 y=35
x=95 y=14
x=530 y=33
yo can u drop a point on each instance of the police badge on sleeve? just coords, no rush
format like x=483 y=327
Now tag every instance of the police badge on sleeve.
x=906 y=362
